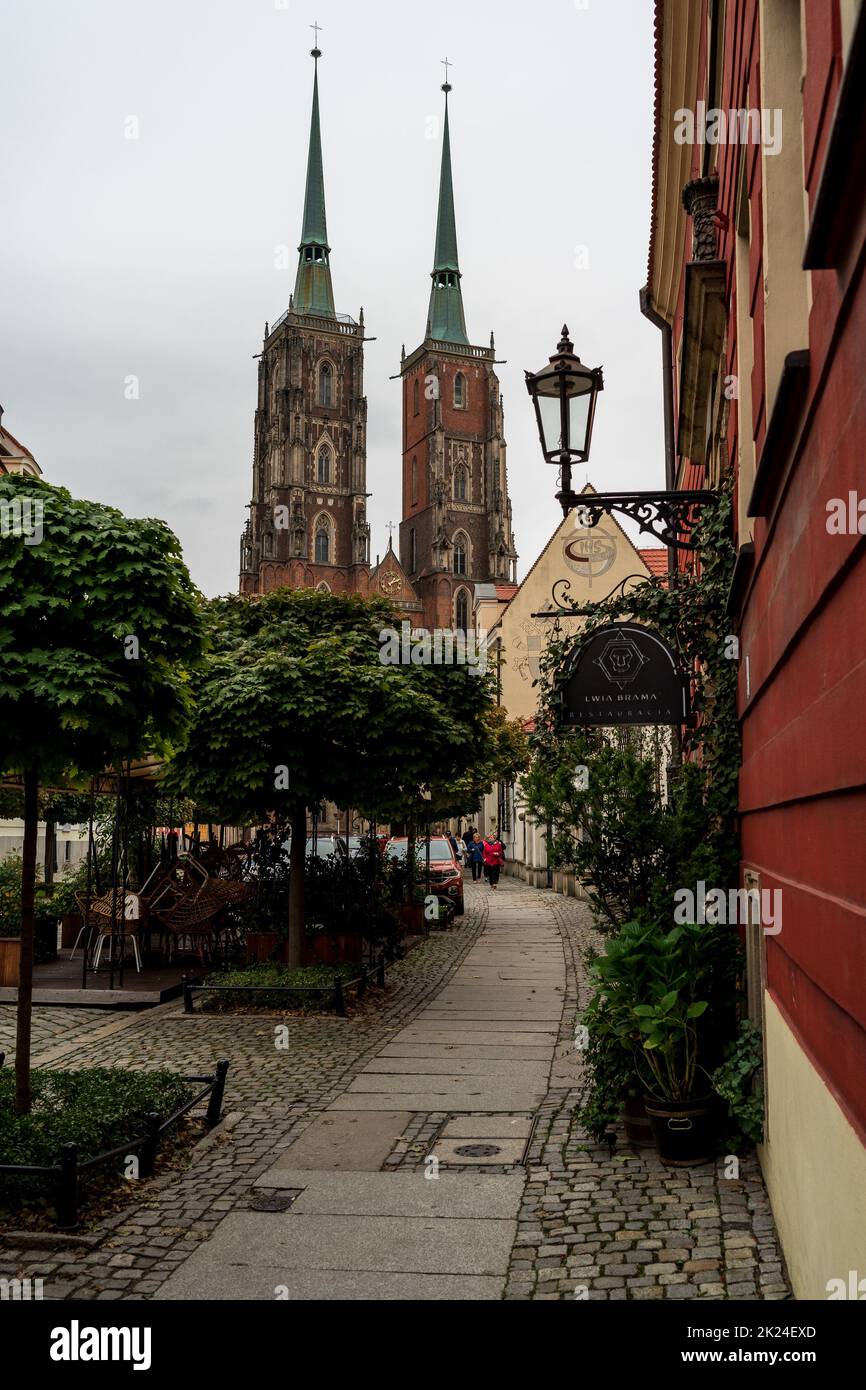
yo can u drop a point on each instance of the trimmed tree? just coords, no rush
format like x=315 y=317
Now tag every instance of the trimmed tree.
x=99 y=624
x=295 y=706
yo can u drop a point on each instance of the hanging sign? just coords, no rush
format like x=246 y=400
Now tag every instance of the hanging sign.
x=623 y=674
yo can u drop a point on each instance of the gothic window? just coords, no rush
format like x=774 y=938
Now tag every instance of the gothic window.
x=326 y=392
x=415 y=480
x=323 y=541
x=413 y=551
x=323 y=465
x=460 y=391
x=461 y=611
x=415 y=396
x=459 y=553
x=323 y=588
x=460 y=484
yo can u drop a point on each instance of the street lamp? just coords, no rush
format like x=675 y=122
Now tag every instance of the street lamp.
x=564 y=394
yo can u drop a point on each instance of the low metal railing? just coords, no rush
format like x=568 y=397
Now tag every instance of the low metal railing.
x=338 y=988
x=65 y=1175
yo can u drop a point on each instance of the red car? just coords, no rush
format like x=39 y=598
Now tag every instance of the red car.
x=446 y=875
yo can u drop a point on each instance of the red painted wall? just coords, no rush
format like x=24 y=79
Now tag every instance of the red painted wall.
x=803 y=619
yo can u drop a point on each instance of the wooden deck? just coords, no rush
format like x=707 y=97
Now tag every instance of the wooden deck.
x=59 y=982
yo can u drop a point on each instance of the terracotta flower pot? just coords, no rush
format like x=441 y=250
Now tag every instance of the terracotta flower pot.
x=10 y=961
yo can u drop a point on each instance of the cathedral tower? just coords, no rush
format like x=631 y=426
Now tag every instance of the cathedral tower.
x=456 y=527
x=307 y=526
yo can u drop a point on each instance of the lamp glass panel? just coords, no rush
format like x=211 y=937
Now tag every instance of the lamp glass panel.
x=550 y=411
x=578 y=415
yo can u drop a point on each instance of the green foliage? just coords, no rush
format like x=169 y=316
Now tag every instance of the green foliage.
x=318 y=979
x=618 y=835
x=738 y=1082
x=97 y=1108
x=653 y=990
x=45 y=912
x=70 y=700
x=294 y=679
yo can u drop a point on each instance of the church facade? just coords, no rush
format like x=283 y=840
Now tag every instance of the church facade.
x=308 y=526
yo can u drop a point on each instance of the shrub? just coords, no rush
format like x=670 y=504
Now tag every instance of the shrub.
x=318 y=978
x=97 y=1109
x=738 y=1082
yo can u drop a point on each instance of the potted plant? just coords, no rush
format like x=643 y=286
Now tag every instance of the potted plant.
x=647 y=987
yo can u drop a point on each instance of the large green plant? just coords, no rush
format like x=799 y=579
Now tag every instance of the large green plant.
x=99 y=625
x=651 y=988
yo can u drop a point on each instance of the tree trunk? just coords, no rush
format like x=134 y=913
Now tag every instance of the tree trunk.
x=50 y=847
x=298 y=861
x=25 y=981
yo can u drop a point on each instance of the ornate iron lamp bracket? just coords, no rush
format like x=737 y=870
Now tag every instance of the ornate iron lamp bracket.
x=666 y=515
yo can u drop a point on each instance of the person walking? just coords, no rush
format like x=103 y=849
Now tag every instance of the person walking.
x=475 y=850
x=469 y=837
x=494 y=858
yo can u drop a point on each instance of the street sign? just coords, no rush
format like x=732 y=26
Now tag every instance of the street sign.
x=623 y=674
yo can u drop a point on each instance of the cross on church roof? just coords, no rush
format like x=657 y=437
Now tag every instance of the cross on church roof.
x=390 y=535
x=316 y=52
x=446 y=63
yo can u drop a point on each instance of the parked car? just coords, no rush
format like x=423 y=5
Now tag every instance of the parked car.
x=446 y=875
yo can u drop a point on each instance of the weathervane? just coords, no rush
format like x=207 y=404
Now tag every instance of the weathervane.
x=316 y=52
x=446 y=85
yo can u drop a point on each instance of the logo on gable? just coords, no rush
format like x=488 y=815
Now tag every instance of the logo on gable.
x=589 y=552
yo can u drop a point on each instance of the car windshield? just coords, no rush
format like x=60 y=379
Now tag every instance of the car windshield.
x=439 y=849
x=323 y=846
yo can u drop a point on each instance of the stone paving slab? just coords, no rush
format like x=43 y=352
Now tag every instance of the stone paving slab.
x=427 y=1101
x=545 y=1032
x=357 y=1286
x=475 y=1083
x=448 y=1066
x=357 y=1142
x=488 y=1126
x=289 y=1242
x=468 y=1051
x=494 y=1197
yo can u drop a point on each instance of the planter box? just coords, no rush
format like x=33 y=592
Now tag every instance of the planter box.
x=260 y=946
x=325 y=949
x=70 y=925
x=412 y=917
x=10 y=961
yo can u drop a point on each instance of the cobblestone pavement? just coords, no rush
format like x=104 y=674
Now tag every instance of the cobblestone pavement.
x=271 y=1095
x=592 y=1227
x=588 y=1226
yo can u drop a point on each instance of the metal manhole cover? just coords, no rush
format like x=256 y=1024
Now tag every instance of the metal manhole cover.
x=276 y=1201
x=478 y=1150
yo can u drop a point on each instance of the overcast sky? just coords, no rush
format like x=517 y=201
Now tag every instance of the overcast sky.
x=155 y=257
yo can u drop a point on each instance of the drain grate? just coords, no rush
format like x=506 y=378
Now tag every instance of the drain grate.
x=478 y=1150
x=274 y=1201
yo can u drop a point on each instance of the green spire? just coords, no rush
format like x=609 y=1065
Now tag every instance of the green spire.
x=313 y=291
x=445 y=320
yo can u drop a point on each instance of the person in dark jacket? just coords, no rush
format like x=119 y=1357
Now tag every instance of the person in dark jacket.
x=469 y=836
x=494 y=858
x=475 y=852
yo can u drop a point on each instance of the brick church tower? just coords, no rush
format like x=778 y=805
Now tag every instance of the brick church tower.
x=307 y=526
x=456 y=528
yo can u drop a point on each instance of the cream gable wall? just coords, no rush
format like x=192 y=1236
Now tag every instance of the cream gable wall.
x=613 y=558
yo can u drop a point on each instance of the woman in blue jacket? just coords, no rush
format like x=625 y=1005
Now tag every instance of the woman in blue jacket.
x=475 y=852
